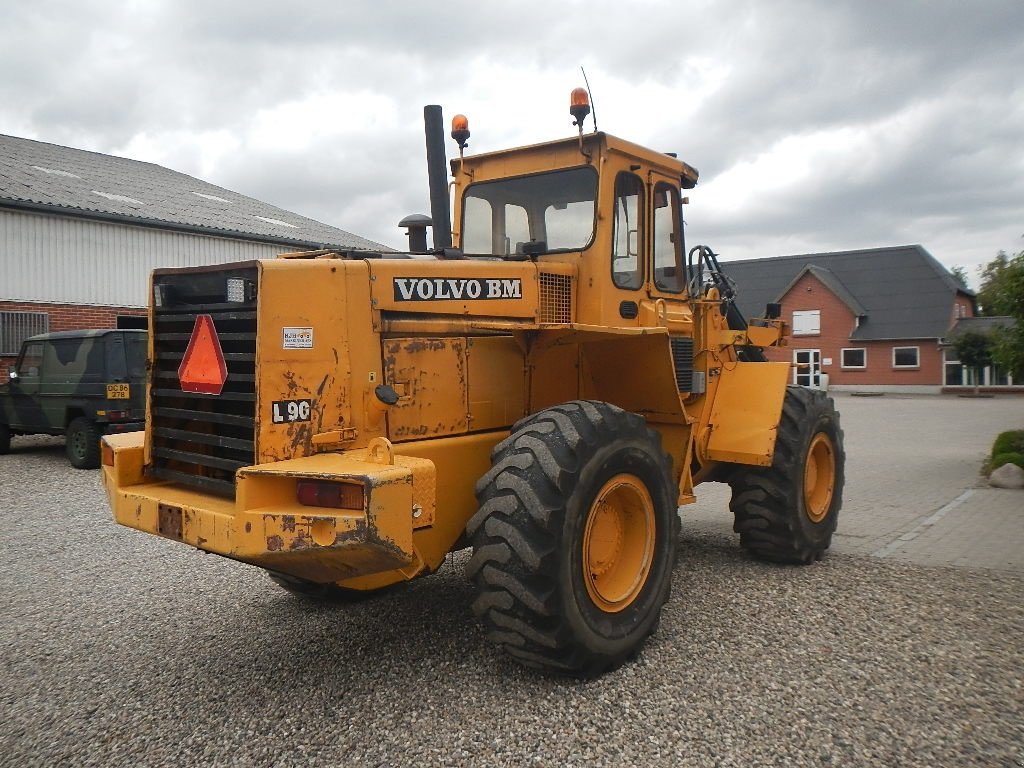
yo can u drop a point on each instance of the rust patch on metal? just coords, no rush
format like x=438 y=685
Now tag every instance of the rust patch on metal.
x=288 y=523
x=248 y=527
x=169 y=521
x=275 y=543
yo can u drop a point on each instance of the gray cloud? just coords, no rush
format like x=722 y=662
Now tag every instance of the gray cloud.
x=935 y=85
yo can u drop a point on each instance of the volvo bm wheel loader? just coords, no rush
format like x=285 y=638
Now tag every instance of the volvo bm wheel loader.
x=547 y=384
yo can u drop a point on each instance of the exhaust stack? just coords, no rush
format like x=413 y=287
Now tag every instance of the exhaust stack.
x=437 y=174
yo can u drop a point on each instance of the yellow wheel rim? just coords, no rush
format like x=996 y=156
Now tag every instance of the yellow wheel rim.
x=618 y=543
x=819 y=478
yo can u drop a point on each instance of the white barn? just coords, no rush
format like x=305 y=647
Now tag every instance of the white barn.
x=81 y=231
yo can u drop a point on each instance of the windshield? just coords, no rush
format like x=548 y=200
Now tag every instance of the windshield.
x=530 y=214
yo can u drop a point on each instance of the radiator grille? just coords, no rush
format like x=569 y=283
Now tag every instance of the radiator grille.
x=555 y=298
x=682 y=357
x=197 y=439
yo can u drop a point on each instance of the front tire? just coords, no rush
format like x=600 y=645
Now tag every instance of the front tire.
x=83 y=444
x=575 y=538
x=5 y=439
x=787 y=512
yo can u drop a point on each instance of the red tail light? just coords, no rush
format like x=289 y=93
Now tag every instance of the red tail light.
x=325 y=493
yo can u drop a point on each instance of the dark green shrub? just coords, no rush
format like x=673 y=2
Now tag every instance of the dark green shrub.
x=1009 y=442
x=1011 y=457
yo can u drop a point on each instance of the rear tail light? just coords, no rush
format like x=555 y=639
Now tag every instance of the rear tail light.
x=117 y=414
x=325 y=493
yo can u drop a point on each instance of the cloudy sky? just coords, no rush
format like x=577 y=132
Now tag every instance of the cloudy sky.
x=825 y=125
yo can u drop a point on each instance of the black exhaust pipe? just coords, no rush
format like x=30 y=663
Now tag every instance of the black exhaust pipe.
x=437 y=174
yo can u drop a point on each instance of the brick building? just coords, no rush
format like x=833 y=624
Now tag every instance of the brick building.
x=871 y=320
x=81 y=231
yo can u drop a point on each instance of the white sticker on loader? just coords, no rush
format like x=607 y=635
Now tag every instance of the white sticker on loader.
x=297 y=338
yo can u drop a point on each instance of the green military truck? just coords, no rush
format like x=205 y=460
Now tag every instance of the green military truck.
x=82 y=384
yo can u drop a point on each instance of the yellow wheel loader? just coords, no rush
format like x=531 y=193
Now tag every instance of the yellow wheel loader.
x=547 y=384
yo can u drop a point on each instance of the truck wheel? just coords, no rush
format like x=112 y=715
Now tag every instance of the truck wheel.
x=787 y=512
x=327 y=592
x=575 y=538
x=5 y=439
x=83 y=444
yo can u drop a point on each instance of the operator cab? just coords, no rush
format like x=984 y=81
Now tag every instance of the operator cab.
x=607 y=206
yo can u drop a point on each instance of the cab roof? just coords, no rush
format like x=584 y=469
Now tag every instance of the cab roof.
x=82 y=334
x=674 y=166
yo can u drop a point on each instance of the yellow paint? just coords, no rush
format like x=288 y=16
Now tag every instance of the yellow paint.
x=618 y=543
x=746 y=412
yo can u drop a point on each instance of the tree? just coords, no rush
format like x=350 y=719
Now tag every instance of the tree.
x=960 y=275
x=974 y=349
x=1002 y=293
x=1002 y=286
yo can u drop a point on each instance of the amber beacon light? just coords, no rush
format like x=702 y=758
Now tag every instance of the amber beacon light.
x=460 y=131
x=579 y=106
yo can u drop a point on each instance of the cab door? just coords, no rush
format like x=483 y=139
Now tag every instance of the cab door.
x=666 y=303
x=25 y=411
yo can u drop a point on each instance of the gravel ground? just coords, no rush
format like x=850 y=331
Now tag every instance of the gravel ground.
x=125 y=649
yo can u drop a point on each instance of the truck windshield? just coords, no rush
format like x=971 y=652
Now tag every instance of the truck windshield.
x=535 y=214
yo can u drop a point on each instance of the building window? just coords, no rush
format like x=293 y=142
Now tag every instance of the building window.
x=15 y=327
x=906 y=357
x=956 y=374
x=855 y=357
x=807 y=322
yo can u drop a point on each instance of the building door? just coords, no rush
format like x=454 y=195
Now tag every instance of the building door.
x=807 y=372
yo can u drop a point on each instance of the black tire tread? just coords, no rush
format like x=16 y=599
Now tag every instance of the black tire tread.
x=91 y=458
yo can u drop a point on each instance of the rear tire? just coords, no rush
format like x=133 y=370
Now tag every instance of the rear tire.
x=312 y=590
x=5 y=439
x=788 y=512
x=575 y=538
x=83 y=444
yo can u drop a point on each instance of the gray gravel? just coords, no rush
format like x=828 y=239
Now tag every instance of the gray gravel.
x=124 y=649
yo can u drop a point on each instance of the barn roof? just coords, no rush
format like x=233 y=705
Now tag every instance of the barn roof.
x=899 y=292
x=35 y=175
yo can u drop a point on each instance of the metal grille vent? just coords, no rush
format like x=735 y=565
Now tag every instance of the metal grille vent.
x=201 y=440
x=682 y=357
x=15 y=327
x=555 y=298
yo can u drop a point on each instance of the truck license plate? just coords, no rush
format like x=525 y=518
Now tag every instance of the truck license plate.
x=118 y=391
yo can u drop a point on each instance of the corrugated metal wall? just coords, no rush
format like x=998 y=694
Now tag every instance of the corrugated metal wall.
x=59 y=259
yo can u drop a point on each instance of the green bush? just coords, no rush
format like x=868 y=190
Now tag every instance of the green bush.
x=1010 y=457
x=1009 y=442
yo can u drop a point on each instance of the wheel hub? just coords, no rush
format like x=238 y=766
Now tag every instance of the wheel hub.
x=819 y=478
x=618 y=543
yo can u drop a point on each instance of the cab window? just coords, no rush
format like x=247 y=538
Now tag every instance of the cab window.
x=627 y=266
x=668 y=251
x=546 y=212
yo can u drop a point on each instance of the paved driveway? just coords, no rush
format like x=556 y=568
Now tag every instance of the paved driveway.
x=913 y=489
